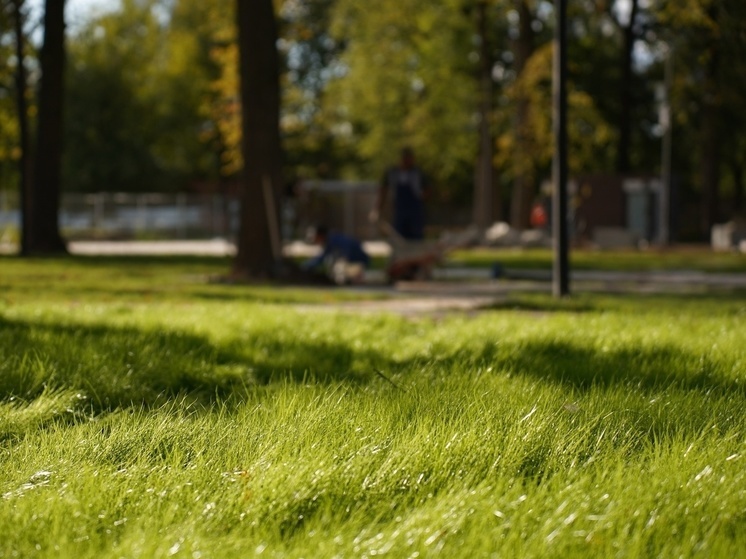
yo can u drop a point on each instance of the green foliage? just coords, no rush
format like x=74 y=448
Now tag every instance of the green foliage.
x=152 y=99
x=591 y=137
x=223 y=421
x=139 y=114
x=408 y=81
x=314 y=135
x=10 y=152
x=706 y=41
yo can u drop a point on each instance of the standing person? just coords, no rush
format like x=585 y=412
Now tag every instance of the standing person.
x=409 y=186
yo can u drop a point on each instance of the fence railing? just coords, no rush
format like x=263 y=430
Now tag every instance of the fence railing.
x=107 y=215
x=341 y=205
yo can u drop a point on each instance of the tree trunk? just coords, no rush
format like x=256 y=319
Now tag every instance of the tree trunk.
x=710 y=160
x=523 y=186
x=627 y=93
x=22 y=108
x=739 y=189
x=260 y=100
x=710 y=170
x=484 y=194
x=43 y=205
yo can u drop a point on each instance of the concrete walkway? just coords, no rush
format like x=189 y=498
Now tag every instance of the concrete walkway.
x=208 y=247
x=212 y=247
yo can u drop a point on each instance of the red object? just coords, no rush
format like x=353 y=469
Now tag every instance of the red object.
x=538 y=216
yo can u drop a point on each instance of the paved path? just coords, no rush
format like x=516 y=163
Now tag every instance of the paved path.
x=209 y=247
x=213 y=247
x=410 y=304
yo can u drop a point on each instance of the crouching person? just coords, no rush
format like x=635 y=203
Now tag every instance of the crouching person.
x=342 y=258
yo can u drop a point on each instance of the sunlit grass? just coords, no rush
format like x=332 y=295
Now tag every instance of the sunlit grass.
x=701 y=259
x=147 y=413
x=135 y=279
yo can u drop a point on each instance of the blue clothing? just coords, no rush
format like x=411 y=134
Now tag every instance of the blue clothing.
x=410 y=223
x=339 y=246
x=408 y=187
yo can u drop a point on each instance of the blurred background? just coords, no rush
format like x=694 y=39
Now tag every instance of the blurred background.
x=152 y=128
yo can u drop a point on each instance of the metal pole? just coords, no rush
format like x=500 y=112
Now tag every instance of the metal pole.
x=561 y=268
x=274 y=229
x=664 y=200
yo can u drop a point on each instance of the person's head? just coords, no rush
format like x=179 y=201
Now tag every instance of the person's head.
x=318 y=234
x=407 y=157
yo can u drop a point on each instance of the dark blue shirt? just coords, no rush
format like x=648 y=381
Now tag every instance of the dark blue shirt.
x=340 y=246
x=408 y=187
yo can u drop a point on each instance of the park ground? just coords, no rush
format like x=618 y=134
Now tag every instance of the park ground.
x=148 y=409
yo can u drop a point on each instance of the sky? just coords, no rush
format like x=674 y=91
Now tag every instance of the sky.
x=76 y=11
x=79 y=10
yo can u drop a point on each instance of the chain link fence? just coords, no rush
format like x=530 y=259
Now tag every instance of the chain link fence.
x=112 y=216
x=340 y=205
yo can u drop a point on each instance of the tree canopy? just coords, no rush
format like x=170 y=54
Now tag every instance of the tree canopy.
x=153 y=102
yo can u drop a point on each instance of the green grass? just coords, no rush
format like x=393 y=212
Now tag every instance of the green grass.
x=702 y=259
x=145 y=412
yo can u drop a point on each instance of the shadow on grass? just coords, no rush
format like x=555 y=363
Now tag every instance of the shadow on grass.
x=113 y=366
x=124 y=366
x=651 y=368
x=542 y=306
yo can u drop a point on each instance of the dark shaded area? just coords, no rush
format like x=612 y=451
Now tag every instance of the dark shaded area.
x=152 y=365
x=258 y=243
x=566 y=305
x=43 y=201
x=658 y=368
x=149 y=365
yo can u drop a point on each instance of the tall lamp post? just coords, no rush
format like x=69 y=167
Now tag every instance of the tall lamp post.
x=561 y=267
x=664 y=205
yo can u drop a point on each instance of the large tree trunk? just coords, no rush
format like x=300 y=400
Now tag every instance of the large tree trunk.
x=627 y=93
x=739 y=188
x=710 y=157
x=484 y=193
x=710 y=166
x=523 y=186
x=44 y=200
x=260 y=100
x=23 y=127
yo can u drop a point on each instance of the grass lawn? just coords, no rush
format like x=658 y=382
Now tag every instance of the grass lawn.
x=700 y=258
x=147 y=413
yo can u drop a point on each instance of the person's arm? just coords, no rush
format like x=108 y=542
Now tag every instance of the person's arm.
x=317 y=260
